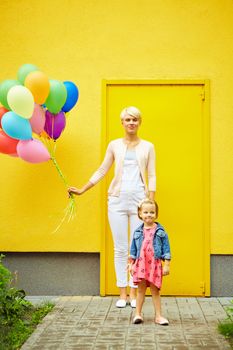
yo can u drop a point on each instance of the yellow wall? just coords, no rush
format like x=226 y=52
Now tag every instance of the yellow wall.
x=86 y=41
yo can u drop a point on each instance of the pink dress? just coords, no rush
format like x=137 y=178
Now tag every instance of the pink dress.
x=147 y=267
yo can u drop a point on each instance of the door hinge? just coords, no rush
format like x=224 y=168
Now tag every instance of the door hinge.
x=203 y=95
x=202 y=287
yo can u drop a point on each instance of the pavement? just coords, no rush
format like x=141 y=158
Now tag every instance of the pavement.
x=93 y=322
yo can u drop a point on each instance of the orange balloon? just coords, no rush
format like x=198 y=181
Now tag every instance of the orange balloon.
x=38 y=83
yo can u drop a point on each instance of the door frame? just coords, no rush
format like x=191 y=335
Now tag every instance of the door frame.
x=206 y=168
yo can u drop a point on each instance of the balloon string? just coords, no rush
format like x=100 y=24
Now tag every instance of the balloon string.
x=70 y=213
x=52 y=126
x=58 y=169
x=70 y=210
x=52 y=150
x=46 y=141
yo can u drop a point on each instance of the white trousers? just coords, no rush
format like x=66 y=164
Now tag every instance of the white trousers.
x=123 y=218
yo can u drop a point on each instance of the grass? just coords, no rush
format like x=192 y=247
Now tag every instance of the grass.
x=13 y=334
x=226 y=327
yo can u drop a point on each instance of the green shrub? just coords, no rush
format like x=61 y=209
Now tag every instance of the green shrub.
x=226 y=327
x=12 y=302
x=5 y=275
x=18 y=317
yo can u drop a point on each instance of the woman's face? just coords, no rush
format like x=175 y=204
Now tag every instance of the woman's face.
x=130 y=124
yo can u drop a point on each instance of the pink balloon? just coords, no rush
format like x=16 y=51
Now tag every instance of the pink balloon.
x=37 y=120
x=33 y=151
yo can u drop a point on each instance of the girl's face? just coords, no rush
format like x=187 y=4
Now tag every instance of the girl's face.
x=148 y=213
x=130 y=124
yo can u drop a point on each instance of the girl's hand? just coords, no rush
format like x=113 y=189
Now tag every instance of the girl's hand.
x=74 y=190
x=166 y=270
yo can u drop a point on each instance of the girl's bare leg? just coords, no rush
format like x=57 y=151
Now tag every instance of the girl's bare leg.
x=157 y=306
x=140 y=297
x=156 y=300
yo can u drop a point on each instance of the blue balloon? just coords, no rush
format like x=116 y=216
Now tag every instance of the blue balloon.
x=72 y=96
x=16 y=127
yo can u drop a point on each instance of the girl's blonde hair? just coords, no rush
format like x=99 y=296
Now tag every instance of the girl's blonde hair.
x=133 y=111
x=148 y=201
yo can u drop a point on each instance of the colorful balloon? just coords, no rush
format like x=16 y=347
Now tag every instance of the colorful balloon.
x=24 y=70
x=5 y=86
x=21 y=101
x=54 y=124
x=72 y=96
x=37 y=120
x=16 y=127
x=38 y=83
x=33 y=151
x=57 y=96
x=3 y=110
x=7 y=144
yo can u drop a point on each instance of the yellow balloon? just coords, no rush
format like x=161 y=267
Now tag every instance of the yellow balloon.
x=21 y=101
x=38 y=83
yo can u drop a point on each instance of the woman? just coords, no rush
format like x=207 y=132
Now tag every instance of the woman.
x=133 y=158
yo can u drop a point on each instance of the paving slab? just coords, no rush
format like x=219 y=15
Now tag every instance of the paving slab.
x=93 y=322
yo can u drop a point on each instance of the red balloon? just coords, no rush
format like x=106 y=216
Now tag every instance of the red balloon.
x=7 y=144
x=3 y=110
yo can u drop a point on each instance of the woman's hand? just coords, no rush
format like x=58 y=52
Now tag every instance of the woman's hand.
x=131 y=261
x=130 y=268
x=74 y=190
x=79 y=191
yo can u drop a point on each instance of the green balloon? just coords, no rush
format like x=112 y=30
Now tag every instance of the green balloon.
x=57 y=96
x=24 y=70
x=5 y=86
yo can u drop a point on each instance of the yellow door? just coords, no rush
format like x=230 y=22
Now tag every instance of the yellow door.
x=175 y=120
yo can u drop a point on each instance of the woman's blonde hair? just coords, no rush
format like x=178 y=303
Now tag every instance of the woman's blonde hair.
x=133 y=111
x=148 y=201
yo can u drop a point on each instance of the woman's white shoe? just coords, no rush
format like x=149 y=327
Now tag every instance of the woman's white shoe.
x=133 y=303
x=121 y=303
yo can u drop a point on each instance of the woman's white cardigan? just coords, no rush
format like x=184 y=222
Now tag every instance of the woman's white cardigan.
x=116 y=150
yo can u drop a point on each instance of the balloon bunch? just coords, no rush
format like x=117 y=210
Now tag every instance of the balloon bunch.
x=33 y=113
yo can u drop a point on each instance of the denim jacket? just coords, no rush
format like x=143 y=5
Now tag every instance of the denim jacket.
x=160 y=243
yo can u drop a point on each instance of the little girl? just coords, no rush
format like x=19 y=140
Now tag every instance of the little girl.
x=150 y=245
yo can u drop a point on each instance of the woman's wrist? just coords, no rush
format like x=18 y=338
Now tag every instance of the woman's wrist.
x=151 y=195
x=87 y=186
